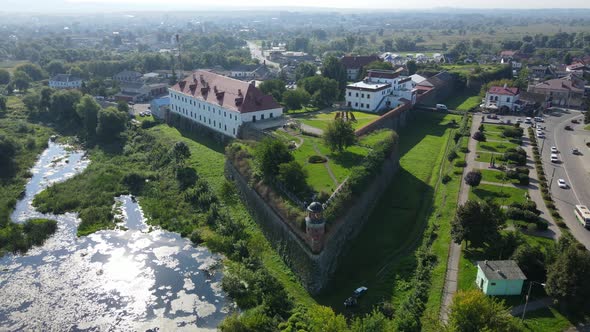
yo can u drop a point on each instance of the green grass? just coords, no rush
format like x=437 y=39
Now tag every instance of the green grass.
x=304 y=109
x=487 y=157
x=546 y=320
x=498 y=194
x=321 y=120
x=396 y=224
x=497 y=176
x=499 y=147
x=463 y=102
x=587 y=127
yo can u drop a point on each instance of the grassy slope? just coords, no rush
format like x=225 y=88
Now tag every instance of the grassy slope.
x=381 y=256
x=208 y=159
x=463 y=102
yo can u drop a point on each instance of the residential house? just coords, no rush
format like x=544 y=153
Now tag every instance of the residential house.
x=507 y=56
x=381 y=89
x=159 y=106
x=540 y=72
x=65 y=81
x=128 y=76
x=221 y=103
x=566 y=91
x=499 y=277
x=577 y=68
x=354 y=64
x=502 y=97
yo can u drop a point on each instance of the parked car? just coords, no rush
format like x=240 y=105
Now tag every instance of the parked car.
x=539 y=119
x=359 y=291
x=576 y=151
x=568 y=128
x=575 y=121
x=441 y=107
x=561 y=183
x=540 y=135
x=554 y=158
x=554 y=150
x=519 y=120
x=528 y=120
x=350 y=302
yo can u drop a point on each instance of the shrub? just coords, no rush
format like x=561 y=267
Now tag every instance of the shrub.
x=460 y=163
x=446 y=179
x=531 y=227
x=547 y=197
x=550 y=206
x=560 y=224
x=555 y=214
x=464 y=149
x=452 y=155
x=479 y=136
x=315 y=159
x=542 y=225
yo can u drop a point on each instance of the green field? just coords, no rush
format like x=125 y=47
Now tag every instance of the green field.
x=380 y=258
x=498 y=194
x=463 y=102
x=499 y=147
x=491 y=175
x=546 y=320
x=321 y=120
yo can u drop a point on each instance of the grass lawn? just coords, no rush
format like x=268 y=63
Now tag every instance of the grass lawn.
x=321 y=120
x=304 y=109
x=546 y=320
x=492 y=175
x=487 y=157
x=381 y=257
x=463 y=102
x=587 y=127
x=500 y=147
x=499 y=194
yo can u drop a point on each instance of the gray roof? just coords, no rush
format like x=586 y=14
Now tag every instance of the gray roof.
x=65 y=78
x=497 y=270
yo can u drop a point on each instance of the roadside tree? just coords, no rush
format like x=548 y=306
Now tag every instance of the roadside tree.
x=477 y=223
x=473 y=178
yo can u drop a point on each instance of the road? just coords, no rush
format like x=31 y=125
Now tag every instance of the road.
x=574 y=169
x=256 y=53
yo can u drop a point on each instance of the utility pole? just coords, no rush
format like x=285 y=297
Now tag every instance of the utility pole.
x=528 y=295
x=552 y=174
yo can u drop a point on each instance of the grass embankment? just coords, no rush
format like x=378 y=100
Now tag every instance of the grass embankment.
x=463 y=102
x=28 y=140
x=321 y=120
x=381 y=257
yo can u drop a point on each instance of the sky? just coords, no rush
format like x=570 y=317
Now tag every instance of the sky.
x=139 y=5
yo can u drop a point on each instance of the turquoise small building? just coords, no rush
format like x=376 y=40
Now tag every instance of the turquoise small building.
x=499 y=277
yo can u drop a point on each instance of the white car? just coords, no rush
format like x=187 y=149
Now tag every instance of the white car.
x=540 y=135
x=561 y=183
x=554 y=150
x=554 y=158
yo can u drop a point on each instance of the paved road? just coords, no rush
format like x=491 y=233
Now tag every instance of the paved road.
x=256 y=53
x=575 y=170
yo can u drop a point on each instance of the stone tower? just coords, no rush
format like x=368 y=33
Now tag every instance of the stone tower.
x=315 y=226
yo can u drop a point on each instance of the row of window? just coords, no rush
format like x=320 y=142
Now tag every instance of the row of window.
x=202 y=119
x=204 y=107
x=356 y=105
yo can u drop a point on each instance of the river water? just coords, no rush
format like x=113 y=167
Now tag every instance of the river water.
x=129 y=279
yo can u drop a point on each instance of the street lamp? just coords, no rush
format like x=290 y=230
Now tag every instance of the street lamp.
x=528 y=295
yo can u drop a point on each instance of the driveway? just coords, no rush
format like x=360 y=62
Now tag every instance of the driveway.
x=256 y=53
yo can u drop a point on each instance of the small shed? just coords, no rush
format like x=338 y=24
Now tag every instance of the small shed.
x=499 y=277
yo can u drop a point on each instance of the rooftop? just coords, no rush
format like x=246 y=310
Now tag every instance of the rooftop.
x=559 y=84
x=383 y=73
x=355 y=62
x=65 y=78
x=229 y=93
x=503 y=90
x=496 y=270
x=362 y=85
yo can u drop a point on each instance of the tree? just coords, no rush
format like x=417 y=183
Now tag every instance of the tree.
x=412 y=67
x=63 y=106
x=123 y=106
x=31 y=101
x=4 y=76
x=531 y=261
x=295 y=99
x=8 y=150
x=293 y=176
x=334 y=69
x=270 y=153
x=323 y=91
x=305 y=69
x=477 y=222
x=2 y=103
x=339 y=135
x=567 y=59
x=527 y=48
x=21 y=80
x=111 y=123
x=87 y=109
x=473 y=178
x=275 y=88
x=381 y=65
x=55 y=67
x=45 y=98
x=568 y=273
x=180 y=152
x=587 y=116
x=473 y=311
x=33 y=71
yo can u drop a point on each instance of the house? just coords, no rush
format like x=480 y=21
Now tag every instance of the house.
x=506 y=56
x=381 y=89
x=540 y=71
x=354 y=64
x=566 y=91
x=159 y=106
x=502 y=97
x=128 y=76
x=140 y=91
x=65 y=81
x=221 y=103
x=499 y=277
x=576 y=68
x=417 y=79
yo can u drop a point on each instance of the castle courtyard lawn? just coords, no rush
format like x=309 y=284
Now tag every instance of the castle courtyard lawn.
x=321 y=120
x=499 y=147
x=502 y=195
x=492 y=175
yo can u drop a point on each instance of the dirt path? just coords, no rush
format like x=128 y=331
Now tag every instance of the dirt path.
x=315 y=148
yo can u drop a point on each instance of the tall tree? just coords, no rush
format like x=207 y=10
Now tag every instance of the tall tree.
x=473 y=178
x=21 y=80
x=111 y=123
x=87 y=109
x=275 y=88
x=295 y=99
x=412 y=67
x=270 y=153
x=334 y=69
x=305 y=69
x=32 y=70
x=2 y=103
x=63 y=106
x=339 y=135
x=374 y=65
x=323 y=91
x=4 y=76
x=180 y=152
x=477 y=222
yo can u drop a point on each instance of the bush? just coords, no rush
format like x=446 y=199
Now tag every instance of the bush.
x=512 y=132
x=555 y=214
x=479 y=136
x=550 y=206
x=452 y=155
x=560 y=224
x=531 y=227
x=446 y=179
x=316 y=159
x=542 y=225
x=460 y=163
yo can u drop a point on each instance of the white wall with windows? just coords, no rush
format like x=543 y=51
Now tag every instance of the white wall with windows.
x=501 y=100
x=365 y=100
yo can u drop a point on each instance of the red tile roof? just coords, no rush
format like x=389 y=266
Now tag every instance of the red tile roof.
x=356 y=62
x=500 y=90
x=229 y=93
x=560 y=84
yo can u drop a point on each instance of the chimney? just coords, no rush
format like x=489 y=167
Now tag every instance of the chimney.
x=240 y=92
x=253 y=83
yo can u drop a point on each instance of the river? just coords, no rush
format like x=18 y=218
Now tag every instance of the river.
x=129 y=279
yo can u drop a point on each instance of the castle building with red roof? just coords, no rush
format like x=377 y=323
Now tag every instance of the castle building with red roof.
x=221 y=103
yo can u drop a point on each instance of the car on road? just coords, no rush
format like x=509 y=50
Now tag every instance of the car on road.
x=540 y=135
x=568 y=128
x=576 y=151
x=561 y=183
x=575 y=121
x=554 y=158
x=519 y=120
x=554 y=150
x=528 y=120
x=539 y=119
x=441 y=107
